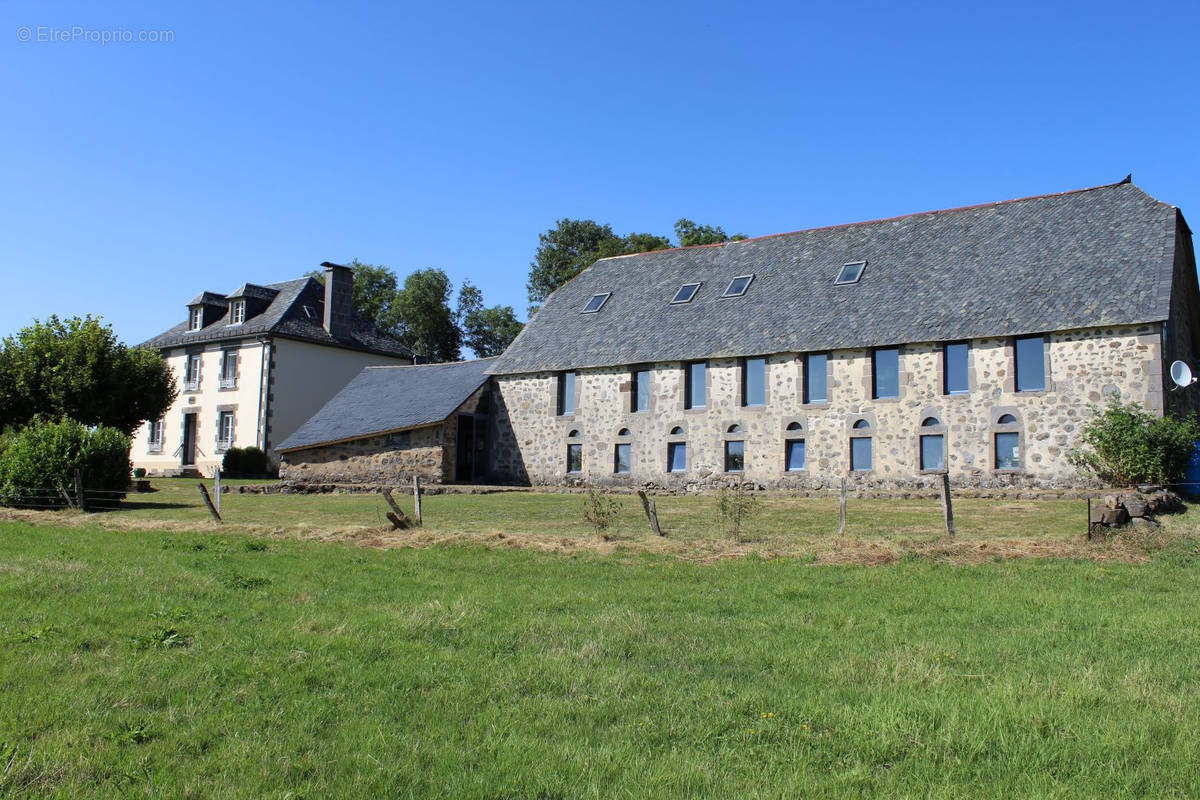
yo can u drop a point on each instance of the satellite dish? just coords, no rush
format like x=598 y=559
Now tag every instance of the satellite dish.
x=1182 y=375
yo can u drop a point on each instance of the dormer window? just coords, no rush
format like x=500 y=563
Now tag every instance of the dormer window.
x=237 y=312
x=850 y=272
x=195 y=318
x=686 y=293
x=596 y=303
x=738 y=286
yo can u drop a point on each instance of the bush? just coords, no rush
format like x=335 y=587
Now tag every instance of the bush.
x=1124 y=445
x=735 y=506
x=40 y=460
x=600 y=509
x=244 y=461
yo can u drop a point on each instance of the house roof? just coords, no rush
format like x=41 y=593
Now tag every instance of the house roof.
x=1087 y=258
x=254 y=291
x=384 y=399
x=295 y=310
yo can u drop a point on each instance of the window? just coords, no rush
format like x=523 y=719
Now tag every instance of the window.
x=154 y=436
x=237 y=312
x=1030 y=363
x=955 y=358
x=686 y=293
x=816 y=378
x=621 y=458
x=574 y=453
x=860 y=447
x=195 y=318
x=676 y=457
x=850 y=273
x=224 y=430
x=793 y=455
x=735 y=456
x=639 y=392
x=933 y=445
x=229 y=360
x=566 y=393
x=1006 y=419
x=738 y=286
x=191 y=373
x=754 y=381
x=1008 y=450
x=596 y=303
x=885 y=372
x=694 y=390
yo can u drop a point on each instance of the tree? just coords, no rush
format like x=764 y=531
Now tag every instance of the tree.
x=422 y=309
x=76 y=368
x=690 y=234
x=373 y=294
x=572 y=246
x=1125 y=444
x=487 y=331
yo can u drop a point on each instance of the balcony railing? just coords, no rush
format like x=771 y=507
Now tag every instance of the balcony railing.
x=154 y=447
x=191 y=386
x=228 y=383
x=224 y=444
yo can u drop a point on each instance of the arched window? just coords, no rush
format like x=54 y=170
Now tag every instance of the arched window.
x=574 y=453
x=623 y=432
x=735 y=449
x=1007 y=447
x=677 y=431
x=734 y=428
x=794 y=426
x=862 y=457
x=931 y=445
x=861 y=424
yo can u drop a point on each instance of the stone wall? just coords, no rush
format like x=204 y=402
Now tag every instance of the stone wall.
x=530 y=441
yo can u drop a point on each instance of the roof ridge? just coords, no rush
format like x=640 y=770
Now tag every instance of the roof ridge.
x=432 y=364
x=930 y=212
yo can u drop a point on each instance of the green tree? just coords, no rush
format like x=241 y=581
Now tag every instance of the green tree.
x=76 y=368
x=1125 y=444
x=690 y=234
x=424 y=317
x=487 y=331
x=572 y=246
x=373 y=294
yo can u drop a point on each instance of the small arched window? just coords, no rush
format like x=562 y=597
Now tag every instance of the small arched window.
x=1006 y=419
x=794 y=426
x=861 y=424
x=677 y=431
x=734 y=428
x=623 y=432
x=574 y=434
x=930 y=422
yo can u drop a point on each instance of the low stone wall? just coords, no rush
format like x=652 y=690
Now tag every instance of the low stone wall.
x=374 y=460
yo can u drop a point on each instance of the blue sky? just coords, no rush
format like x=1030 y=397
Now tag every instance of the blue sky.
x=261 y=141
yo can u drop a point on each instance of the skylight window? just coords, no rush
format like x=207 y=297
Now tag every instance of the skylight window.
x=596 y=303
x=738 y=286
x=686 y=293
x=850 y=273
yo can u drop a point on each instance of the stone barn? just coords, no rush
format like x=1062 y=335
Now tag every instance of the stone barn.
x=392 y=423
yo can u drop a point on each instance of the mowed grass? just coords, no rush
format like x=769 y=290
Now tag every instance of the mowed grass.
x=206 y=664
x=784 y=524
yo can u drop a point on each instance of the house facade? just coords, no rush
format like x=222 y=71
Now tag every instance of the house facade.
x=974 y=342
x=252 y=366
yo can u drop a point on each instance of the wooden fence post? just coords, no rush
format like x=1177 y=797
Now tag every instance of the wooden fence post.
x=417 y=498
x=947 y=505
x=208 y=502
x=217 y=489
x=398 y=520
x=842 y=509
x=80 y=503
x=651 y=512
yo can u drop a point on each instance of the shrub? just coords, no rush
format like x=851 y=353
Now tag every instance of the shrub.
x=40 y=460
x=599 y=509
x=1124 y=444
x=244 y=461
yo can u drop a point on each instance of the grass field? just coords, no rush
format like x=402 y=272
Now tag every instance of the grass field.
x=202 y=664
x=877 y=531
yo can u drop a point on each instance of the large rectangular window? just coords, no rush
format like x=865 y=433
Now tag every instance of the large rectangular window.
x=566 y=393
x=794 y=455
x=754 y=382
x=639 y=392
x=225 y=430
x=816 y=378
x=885 y=372
x=735 y=456
x=621 y=459
x=860 y=454
x=1008 y=451
x=574 y=457
x=676 y=457
x=154 y=437
x=191 y=373
x=933 y=451
x=695 y=395
x=955 y=364
x=1030 y=352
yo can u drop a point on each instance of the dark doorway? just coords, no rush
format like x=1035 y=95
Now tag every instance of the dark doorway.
x=189 y=440
x=464 y=460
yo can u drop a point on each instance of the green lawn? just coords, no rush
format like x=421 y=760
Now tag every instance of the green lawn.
x=220 y=664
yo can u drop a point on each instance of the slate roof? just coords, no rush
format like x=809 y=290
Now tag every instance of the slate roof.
x=295 y=310
x=1087 y=258
x=384 y=399
x=252 y=290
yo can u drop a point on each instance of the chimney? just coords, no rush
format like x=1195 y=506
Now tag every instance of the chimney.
x=339 y=309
